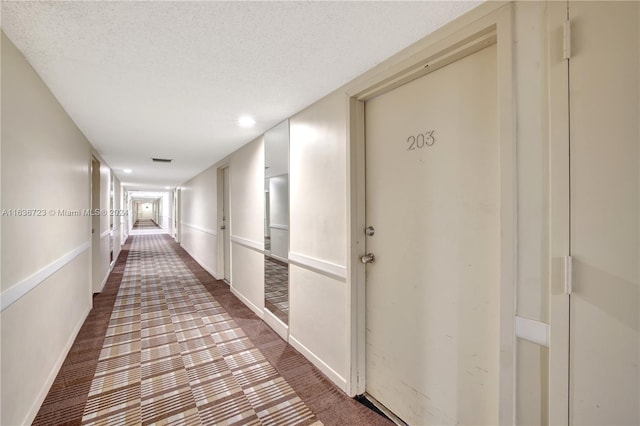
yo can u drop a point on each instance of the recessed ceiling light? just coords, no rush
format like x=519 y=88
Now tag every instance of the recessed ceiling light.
x=167 y=187
x=246 y=121
x=127 y=170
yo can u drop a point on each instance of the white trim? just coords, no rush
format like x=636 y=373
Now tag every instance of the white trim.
x=276 y=226
x=105 y=234
x=532 y=331
x=336 y=378
x=35 y=407
x=253 y=245
x=355 y=225
x=199 y=228
x=256 y=310
x=331 y=270
x=276 y=324
x=16 y=291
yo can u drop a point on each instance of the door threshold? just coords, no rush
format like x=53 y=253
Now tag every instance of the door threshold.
x=375 y=405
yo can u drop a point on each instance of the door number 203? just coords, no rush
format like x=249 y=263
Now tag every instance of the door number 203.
x=421 y=140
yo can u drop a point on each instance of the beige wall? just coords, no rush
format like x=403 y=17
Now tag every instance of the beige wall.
x=320 y=312
x=45 y=165
x=198 y=221
x=47 y=262
x=246 y=208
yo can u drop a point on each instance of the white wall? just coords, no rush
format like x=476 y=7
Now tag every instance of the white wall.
x=117 y=233
x=47 y=265
x=165 y=208
x=145 y=211
x=45 y=165
x=198 y=230
x=319 y=317
x=124 y=220
x=246 y=208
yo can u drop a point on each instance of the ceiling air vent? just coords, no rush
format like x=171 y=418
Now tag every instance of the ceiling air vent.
x=161 y=160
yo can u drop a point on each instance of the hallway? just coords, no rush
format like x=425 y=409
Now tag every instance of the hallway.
x=145 y=224
x=452 y=189
x=165 y=342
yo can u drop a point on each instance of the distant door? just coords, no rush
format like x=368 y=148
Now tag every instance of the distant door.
x=604 y=90
x=432 y=198
x=226 y=225
x=95 y=225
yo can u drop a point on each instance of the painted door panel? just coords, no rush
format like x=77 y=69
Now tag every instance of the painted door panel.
x=432 y=295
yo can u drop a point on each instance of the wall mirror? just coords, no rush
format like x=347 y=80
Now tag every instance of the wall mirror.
x=276 y=221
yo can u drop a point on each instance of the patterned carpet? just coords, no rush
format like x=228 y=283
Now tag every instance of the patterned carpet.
x=172 y=355
x=166 y=343
x=276 y=288
x=145 y=224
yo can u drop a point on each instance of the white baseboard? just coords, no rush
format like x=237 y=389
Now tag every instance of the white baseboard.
x=336 y=378
x=200 y=262
x=258 y=311
x=106 y=277
x=276 y=324
x=35 y=407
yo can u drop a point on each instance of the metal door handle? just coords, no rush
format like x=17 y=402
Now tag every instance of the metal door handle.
x=223 y=227
x=368 y=258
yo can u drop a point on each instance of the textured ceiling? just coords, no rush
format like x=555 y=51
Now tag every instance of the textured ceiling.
x=170 y=79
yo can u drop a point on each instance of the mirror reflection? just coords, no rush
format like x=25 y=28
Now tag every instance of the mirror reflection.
x=276 y=226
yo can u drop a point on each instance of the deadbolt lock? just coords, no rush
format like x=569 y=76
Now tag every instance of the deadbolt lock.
x=368 y=258
x=369 y=231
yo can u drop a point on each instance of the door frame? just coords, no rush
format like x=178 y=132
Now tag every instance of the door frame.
x=490 y=23
x=221 y=187
x=559 y=216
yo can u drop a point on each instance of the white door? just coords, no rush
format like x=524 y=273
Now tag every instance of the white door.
x=432 y=294
x=226 y=225
x=604 y=83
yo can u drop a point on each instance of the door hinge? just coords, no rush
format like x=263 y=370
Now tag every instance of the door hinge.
x=568 y=275
x=566 y=40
